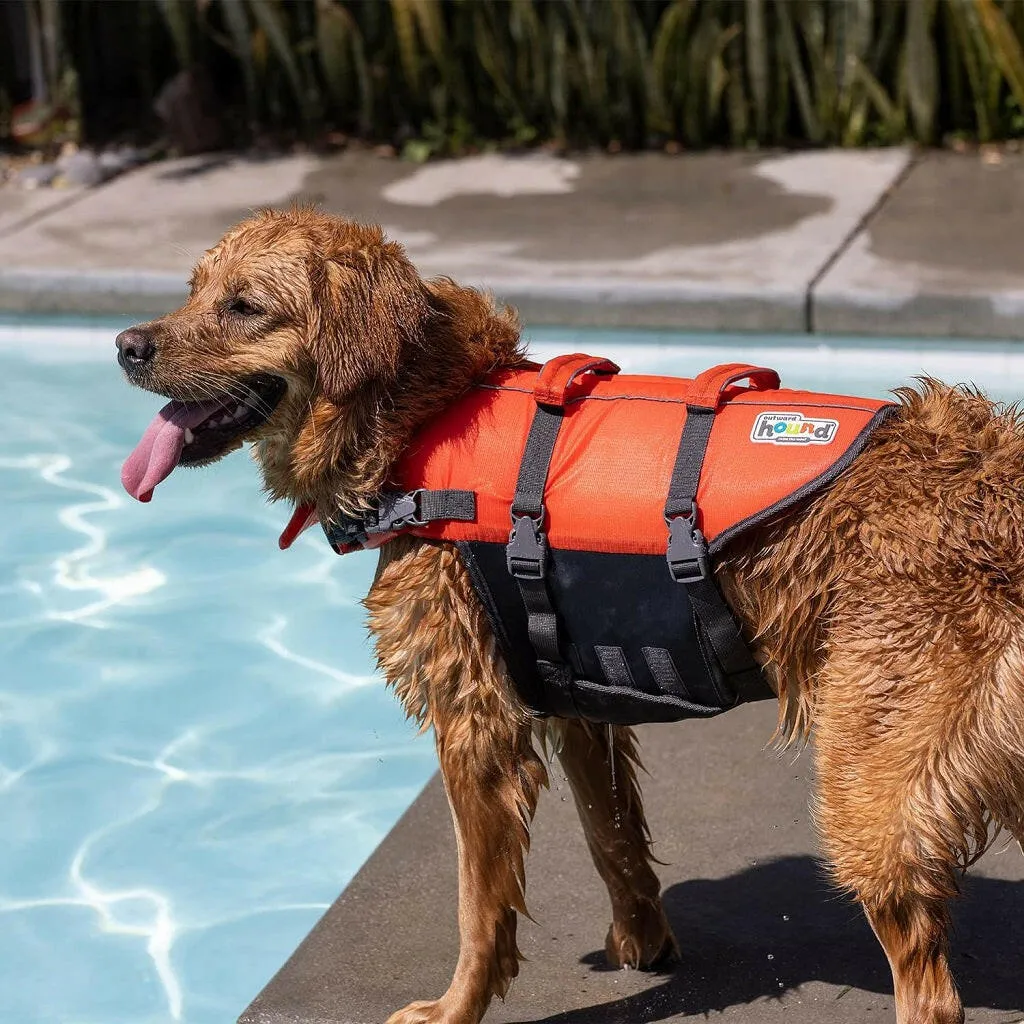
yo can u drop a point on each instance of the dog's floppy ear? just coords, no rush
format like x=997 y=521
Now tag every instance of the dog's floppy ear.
x=371 y=306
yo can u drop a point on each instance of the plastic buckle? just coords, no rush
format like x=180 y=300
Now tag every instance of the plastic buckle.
x=345 y=533
x=687 y=553
x=527 y=551
x=397 y=510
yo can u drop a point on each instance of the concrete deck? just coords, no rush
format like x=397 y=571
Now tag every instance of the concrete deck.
x=19 y=207
x=865 y=242
x=716 y=240
x=764 y=938
x=944 y=256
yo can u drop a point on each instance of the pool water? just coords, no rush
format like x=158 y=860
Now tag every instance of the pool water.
x=195 y=751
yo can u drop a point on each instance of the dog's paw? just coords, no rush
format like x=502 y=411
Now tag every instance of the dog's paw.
x=433 y=1011
x=643 y=941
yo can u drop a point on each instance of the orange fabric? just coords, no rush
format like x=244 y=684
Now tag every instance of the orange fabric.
x=557 y=375
x=708 y=388
x=613 y=461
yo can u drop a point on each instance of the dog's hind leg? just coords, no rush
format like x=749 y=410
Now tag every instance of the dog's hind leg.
x=913 y=932
x=894 y=833
x=909 y=914
x=602 y=776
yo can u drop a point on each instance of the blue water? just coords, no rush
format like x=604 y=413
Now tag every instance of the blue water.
x=195 y=752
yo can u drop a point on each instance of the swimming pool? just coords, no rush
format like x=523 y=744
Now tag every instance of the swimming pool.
x=195 y=754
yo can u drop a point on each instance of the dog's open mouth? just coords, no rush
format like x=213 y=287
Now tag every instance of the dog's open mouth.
x=193 y=433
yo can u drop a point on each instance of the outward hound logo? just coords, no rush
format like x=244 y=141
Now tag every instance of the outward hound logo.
x=792 y=428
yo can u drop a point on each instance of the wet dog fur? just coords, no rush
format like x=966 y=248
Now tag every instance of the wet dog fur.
x=889 y=616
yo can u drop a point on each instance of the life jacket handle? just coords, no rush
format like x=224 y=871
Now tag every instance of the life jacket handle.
x=708 y=388
x=557 y=376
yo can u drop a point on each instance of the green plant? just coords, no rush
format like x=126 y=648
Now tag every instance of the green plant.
x=442 y=76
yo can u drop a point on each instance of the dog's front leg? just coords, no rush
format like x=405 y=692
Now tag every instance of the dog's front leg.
x=492 y=777
x=435 y=646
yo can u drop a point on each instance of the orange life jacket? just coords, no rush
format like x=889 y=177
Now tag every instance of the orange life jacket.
x=568 y=486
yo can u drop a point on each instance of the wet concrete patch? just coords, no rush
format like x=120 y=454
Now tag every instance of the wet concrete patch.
x=157 y=219
x=958 y=213
x=613 y=210
x=717 y=240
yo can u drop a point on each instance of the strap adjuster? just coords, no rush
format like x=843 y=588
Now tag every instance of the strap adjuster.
x=687 y=553
x=344 y=532
x=396 y=510
x=527 y=551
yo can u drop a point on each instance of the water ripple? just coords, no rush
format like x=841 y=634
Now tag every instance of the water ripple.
x=344 y=683
x=159 y=931
x=72 y=571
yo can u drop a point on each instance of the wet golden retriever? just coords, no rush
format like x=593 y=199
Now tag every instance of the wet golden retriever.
x=890 y=616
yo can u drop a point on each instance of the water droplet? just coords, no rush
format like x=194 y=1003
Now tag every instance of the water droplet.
x=615 y=785
x=771 y=956
x=785 y=917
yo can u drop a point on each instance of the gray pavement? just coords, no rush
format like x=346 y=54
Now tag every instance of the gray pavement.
x=715 y=240
x=128 y=246
x=19 y=207
x=864 y=242
x=763 y=936
x=944 y=256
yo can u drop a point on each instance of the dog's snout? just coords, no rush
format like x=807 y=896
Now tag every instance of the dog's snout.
x=134 y=348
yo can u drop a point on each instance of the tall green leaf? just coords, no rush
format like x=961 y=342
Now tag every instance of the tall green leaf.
x=791 y=55
x=268 y=16
x=1005 y=46
x=921 y=67
x=241 y=38
x=179 y=18
x=756 y=36
x=403 y=16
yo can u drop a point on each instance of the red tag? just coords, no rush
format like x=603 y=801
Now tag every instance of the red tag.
x=302 y=518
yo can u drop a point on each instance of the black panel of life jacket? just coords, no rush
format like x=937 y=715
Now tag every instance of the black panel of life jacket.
x=634 y=650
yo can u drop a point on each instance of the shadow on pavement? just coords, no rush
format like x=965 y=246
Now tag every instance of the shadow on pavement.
x=778 y=925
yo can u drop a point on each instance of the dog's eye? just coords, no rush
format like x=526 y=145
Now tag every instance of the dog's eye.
x=242 y=307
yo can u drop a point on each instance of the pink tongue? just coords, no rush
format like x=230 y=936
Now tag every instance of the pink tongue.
x=159 y=451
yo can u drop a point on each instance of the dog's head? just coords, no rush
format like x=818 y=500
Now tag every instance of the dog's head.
x=297 y=333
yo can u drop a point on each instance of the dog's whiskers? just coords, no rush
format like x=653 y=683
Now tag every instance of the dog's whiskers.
x=220 y=386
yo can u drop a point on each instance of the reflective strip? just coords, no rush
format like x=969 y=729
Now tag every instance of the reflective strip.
x=613 y=665
x=664 y=671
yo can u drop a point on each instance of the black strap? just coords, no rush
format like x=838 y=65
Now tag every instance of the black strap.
x=527 y=549
x=688 y=560
x=687 y=553
x=693 y=444
x=398 y=510
x=445 y=504
x=533 y=470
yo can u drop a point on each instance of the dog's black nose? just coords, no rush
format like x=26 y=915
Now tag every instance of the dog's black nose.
x=134 y=349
